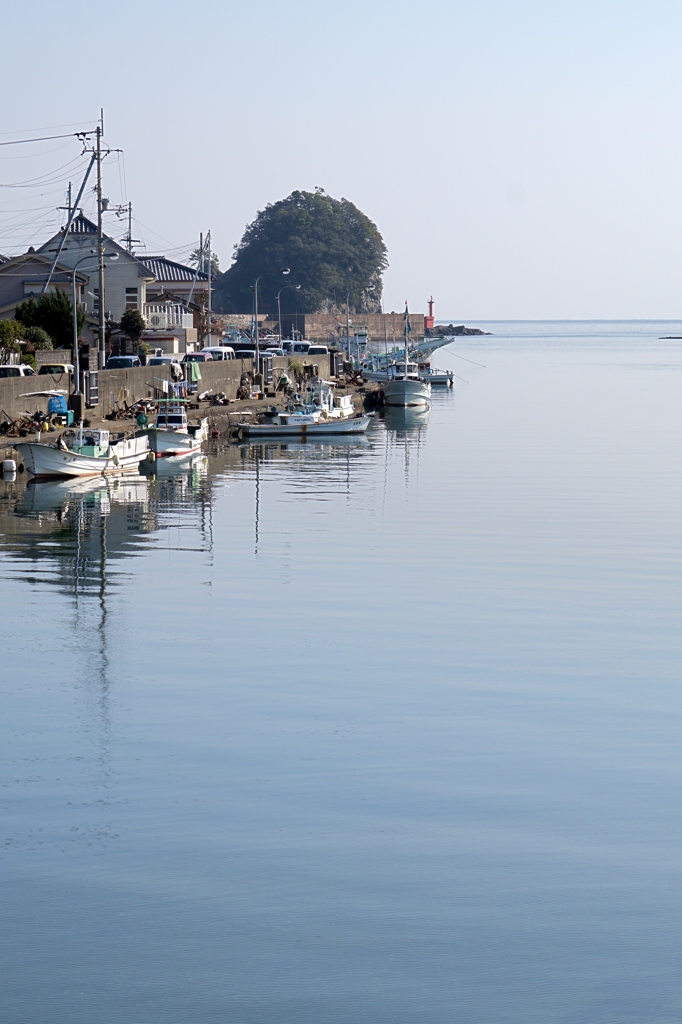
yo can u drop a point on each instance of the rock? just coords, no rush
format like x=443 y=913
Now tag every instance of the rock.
x=450 y=331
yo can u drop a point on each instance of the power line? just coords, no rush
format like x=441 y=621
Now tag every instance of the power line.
x=49 y=127
x=46 y=138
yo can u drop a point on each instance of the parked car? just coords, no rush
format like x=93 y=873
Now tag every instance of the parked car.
x=162 y=360
x=220 y=352
x=273 y=352
x=17 y=371
x=302 y=347
x=244 y=353
x=197 y=357
x=122 y=362
x=56 y=369
x=318 y=350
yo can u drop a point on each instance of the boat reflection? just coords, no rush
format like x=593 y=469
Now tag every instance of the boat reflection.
x=406 y=419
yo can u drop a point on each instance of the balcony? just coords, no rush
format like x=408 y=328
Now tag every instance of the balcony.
x=164 y=316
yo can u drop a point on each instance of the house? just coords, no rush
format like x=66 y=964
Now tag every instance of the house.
x=23 y=277
x=175 y=281
x=125 y=279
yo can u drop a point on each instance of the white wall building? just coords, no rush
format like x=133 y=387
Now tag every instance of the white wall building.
x=125 y=279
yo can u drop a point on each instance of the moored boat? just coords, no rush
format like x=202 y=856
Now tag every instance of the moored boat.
x=315 y=412
x=82 y=452
x=443 y=378
x=172 y=434
x=405 y=387
x=305 y=424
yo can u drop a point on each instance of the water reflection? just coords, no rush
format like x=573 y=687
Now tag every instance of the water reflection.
x=67 y=533
x=407 y=421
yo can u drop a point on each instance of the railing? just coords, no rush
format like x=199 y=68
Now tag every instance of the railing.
x=164 y=315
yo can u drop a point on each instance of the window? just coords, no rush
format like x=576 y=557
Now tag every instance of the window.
x=131 y=298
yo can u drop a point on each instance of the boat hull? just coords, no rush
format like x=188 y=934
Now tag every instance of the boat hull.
x=47 y=462
x=323 y=428
x=439 y=379
x=407 y=393
x=166 y=443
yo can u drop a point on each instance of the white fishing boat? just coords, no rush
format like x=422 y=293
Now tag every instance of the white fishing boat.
x=382 y=374
x=82 y=452
x=405 y=387
x=304 y=424
x=172 y=435
x=316 y=412
x=442 y=378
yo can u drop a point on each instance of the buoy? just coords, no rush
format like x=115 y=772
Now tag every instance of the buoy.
x=9 y=466
x=152 y=456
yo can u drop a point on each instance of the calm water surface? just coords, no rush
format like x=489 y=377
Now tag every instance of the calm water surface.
x=359 y=733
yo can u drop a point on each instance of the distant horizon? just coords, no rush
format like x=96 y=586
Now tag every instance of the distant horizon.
x=555 y=320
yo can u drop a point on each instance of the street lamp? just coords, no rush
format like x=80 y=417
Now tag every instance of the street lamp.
x=284 y=270
x=297 y=288
x=347 y=326
x=76 y=368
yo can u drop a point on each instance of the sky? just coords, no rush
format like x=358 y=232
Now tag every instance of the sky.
x=520 y=157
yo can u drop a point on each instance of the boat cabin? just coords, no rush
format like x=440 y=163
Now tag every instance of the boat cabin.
x=172 y=415
x=86 y=441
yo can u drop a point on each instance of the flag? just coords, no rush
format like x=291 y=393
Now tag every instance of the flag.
x=406 y=318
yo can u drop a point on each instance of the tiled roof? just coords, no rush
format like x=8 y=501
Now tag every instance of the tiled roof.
x=167 y=270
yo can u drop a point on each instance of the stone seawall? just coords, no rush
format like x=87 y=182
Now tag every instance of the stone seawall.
x=136 y=383
x=319 y=326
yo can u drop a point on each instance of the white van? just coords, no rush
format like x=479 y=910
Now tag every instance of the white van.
x=16 y=370
x=301 y=347
x=318 y=350
x=220 y=352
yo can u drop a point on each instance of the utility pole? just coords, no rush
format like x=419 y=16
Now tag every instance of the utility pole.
x=208 y=249
x=100 y=245
x=68 y=206
x=200 y=268
x=129 y=240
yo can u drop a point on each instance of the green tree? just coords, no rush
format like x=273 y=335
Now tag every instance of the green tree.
x=54 y=313
x=199 y=256
x=133 y=324
x=331 y=247
x=11 y=333
x=39 y=338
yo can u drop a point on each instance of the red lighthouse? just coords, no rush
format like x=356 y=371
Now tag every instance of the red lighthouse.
x=428 y=320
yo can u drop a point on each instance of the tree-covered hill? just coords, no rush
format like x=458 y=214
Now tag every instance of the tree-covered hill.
x=331 y=247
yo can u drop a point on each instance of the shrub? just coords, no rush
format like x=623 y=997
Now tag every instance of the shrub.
x=54 y=313
x=133 y=324
x=11 y=331
x=38 y=337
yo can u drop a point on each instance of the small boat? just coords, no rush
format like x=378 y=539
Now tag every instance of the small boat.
x=317 y=412
x=405 y=387
x=304 y=424
x=427 y=373
x=172 y=434
x=82 y=452
x=444 y=378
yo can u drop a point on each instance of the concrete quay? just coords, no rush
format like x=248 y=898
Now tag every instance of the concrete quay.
x=129 y=386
